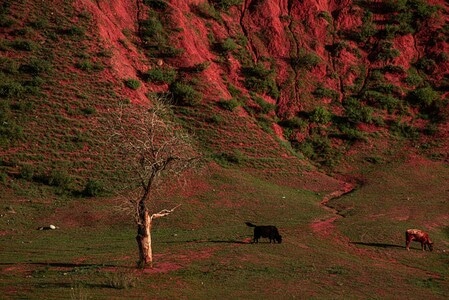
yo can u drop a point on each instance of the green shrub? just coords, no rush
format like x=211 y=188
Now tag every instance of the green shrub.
x=35 y=67
x=351 y=134
x=294 y=123
x=320 y=115
x=93 y=188
x=381 y=100
x=356 y=112
x=226 y=4
x=319 y=149
x=423 y=97
x=264 y=105
x=9 y=130
x=8 y=66
x=367 y=29
x=119 y=280
x=152 y=29
x=27 y=172
x=73 y=31
x=185 y=94
x=404 y=130
x=89 y=110
x=226 y=46
x=395 y=5
x=23 y=45
x=132 y=83
x=156 y=4
x=305 y=60
x=161 y=75
x=206 y=10
x=322 y=92
x=261 y=80
x=5 y=20
x=386 y=51
x=10 y=88
x=229 y=104
x=85 y=65
x=428 y=65
x=226 y=159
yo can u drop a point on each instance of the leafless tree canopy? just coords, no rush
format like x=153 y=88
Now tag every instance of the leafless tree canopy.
x=151 y=147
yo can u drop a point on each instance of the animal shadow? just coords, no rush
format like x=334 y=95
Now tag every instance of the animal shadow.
x=378 y=245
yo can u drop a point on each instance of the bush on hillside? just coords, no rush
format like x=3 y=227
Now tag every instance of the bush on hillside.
x=229 y=104
x=423 y=97
x=132 y=83
x=320 y=115
x=356 y=112
x=160 y=75
x=226 y=4
x=93 y=188
x=261 y=80
x=185 y=94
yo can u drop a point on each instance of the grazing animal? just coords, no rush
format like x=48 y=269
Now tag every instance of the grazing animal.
x=419 y=236
x=270 y=232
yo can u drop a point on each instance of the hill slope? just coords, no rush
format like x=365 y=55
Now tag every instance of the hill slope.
x=314 y=79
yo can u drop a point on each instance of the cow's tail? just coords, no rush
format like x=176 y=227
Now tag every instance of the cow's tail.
x=250 y=224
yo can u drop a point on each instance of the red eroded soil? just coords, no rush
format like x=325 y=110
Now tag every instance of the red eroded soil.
x=112 y=19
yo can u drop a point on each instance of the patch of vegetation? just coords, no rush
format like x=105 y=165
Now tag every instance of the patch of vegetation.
x=386 y=52
x=367 y=29
x=160 y=75
x=225 y=46
x=322 y=92
x=426 y=64
x=423 y=97
x=261 y=80
x=228 y=159
x=225 y=4
x=155 y=32
x=185 y=94
x=356 y=112
x=23 y=45
x=265 y=107
x=230 y=105
x=156 y=4
x=208 y=11
x=319 y=148
x=405 y=130
x=320 y=115
x=381 y=100
x=305 y=60
x=121 y=280
x=132 y=83
x=93 y=188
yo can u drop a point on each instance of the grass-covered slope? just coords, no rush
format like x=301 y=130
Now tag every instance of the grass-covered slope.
x=203 y=250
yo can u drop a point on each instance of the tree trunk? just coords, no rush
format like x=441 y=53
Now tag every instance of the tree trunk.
x=144 y=241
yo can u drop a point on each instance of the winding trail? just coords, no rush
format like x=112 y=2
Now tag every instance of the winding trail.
x=326 y=227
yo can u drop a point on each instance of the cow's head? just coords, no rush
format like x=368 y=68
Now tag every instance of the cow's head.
x=279 y=239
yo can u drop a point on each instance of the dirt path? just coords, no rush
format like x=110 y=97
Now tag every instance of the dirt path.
x=326 y=227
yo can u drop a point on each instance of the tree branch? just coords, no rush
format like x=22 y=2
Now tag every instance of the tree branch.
x=164 y=212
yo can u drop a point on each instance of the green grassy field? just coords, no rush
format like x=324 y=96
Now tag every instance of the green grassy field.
x=203 y=250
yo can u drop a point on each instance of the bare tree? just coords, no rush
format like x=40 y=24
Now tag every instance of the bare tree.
x=154 y=149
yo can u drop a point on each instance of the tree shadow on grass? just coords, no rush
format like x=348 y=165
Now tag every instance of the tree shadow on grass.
x=378 y=245
x=66 y=265
x=231 y=241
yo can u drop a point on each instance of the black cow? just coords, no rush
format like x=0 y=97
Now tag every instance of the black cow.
x=270 y=232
